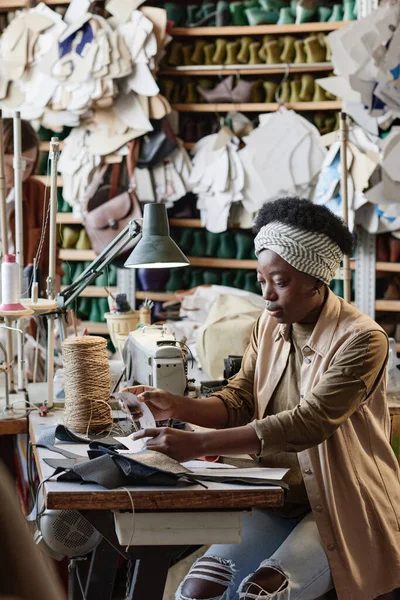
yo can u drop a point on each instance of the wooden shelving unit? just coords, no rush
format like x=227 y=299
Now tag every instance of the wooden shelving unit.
x=45 y=179
x=95 y=328
x=77 y=255
x=246 y=69
x=87 y=255
x=390 y=267
x=45 y=146
x=224 y=263
x=388 y=305
x=155 y=296
x=95 y=291
x=68 y=219
x=13 y=4
x=257 y=30
x=257 y=107
x=185 y=223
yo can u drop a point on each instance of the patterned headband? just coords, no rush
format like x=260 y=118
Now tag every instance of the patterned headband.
x=312 y=253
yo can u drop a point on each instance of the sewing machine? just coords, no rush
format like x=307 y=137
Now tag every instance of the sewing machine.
x=152 y=356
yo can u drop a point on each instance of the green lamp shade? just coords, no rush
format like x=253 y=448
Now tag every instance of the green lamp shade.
x=156 y=250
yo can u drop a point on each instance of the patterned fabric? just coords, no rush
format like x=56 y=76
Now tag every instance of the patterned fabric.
x=307 y=251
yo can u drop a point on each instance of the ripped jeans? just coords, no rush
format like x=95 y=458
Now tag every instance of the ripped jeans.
x=290 y=546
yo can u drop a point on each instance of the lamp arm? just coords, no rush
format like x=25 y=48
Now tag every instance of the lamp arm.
x=96 y=267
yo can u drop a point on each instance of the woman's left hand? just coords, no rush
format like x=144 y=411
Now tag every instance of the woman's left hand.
x=175 y=443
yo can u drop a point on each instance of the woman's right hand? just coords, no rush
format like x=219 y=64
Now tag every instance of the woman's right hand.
x=161 y=403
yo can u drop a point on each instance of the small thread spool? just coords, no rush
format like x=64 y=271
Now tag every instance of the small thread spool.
x=10 y=284
x=87 y=384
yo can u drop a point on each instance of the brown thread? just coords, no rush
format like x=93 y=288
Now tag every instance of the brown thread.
x=87 y=384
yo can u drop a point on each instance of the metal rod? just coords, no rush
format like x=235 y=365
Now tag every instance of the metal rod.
x=3 y=200
x=6 y=388
x=4 y=251
x=345 y=201
x=19 y=240
x=51 y=279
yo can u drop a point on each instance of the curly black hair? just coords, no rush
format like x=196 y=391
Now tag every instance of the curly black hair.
x=302 y=214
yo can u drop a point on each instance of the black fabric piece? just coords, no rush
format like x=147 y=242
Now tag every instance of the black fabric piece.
x=243 y=481
x=102 y=471
x=49 y=435
x=65 y=453
x=112 y=470
x=107 y=442
x=103 y=446
x=62 y=463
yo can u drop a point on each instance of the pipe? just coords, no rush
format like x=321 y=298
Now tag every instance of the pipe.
x=6 y=389
x=51 y=280
x=19 y=240
x=345 y=201
x=4 y=248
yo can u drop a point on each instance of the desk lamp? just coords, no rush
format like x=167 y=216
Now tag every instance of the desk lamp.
x=155 y=249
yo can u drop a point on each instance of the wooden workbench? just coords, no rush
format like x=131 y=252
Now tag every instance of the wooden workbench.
x=152 y=505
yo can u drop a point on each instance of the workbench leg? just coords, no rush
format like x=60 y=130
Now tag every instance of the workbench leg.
x=150 y=576
x=102 y=572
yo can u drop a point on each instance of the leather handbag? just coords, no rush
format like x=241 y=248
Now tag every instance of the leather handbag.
x=157 y=145
x=108 y=212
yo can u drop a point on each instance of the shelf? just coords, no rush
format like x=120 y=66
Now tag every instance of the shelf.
x=195 y=223
x=388 y=305
x=95 y=291
x=68 y=219
x=155 y=296
x=82 y=255
x=45 y=146
x=247 y=69
x=185 y=223
x=257 y=107
x=46 y=179
x=110 y=159
x=95 y=328
x=257 y=30
x=12 y=4
x=227 y=263
x=388 y=266
x=398 y=347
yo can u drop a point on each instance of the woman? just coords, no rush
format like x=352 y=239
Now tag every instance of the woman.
x=34 y=203
x=310 y=396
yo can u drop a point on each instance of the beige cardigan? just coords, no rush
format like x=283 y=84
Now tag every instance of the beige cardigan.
x=351 y=473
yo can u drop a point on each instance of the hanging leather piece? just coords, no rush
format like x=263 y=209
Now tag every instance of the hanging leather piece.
x=104 y=221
